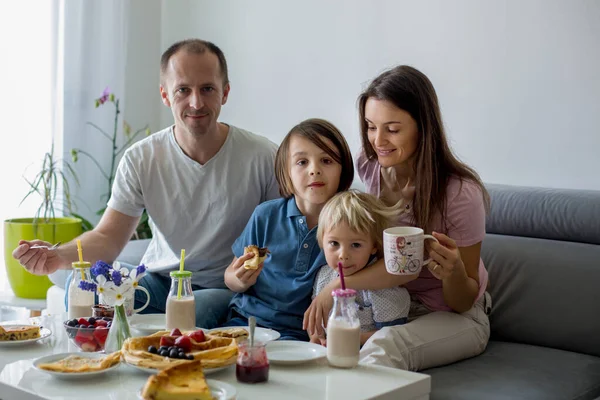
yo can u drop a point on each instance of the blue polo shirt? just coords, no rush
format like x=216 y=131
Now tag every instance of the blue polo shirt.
x=283 y=290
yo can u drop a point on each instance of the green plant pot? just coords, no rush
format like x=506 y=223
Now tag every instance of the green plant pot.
x=23 y=283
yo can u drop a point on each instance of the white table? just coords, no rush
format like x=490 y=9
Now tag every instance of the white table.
x=35 y=306
x=316 y=380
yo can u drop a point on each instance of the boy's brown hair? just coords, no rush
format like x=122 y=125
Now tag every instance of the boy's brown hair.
x=315 y=130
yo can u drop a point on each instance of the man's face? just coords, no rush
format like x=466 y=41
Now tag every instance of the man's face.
x=192 y=86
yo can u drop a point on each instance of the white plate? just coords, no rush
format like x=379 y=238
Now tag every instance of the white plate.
x=294 y=352
x=207 y=371
x=71 y=375
x=260 y=334
x=219 y=390
x=147 y=324
x=44 y=333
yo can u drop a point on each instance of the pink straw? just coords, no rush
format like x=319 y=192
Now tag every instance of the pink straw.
x=342 y=276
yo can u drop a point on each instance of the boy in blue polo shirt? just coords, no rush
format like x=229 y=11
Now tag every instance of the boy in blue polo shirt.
x=313 y=163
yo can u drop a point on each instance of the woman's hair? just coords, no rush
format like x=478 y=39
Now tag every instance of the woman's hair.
x=315 y=130
x=434 y=163
x=362 y=213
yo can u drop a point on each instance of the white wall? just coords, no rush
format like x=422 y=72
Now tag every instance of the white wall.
x=518 y=81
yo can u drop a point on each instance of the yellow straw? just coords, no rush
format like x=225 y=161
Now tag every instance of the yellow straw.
x=180 y=270
x=80 y=252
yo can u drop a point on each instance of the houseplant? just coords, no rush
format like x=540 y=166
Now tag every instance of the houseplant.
x=143 y=230
x=51 y=183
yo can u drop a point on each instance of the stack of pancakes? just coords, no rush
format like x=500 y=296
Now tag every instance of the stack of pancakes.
x=215 y=352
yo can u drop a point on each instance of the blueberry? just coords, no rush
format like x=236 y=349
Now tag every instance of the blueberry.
x=152 y=349
x=107 y=319
x=164 y=353
x=190 y=356
x=162 y=348
x=72 y=323
x=173 y=353
x=92 y=320
x=75 y=321
x=181 y=355
x=77 y=326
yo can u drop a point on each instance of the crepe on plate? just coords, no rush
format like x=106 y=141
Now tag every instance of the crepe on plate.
x=79 y=364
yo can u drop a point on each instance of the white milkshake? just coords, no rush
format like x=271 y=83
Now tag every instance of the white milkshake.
x=181 y=304
x=343 y=330
x=181 y=313
x=343 y=343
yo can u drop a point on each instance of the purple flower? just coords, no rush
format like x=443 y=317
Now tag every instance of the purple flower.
x=100 y=268
x=141 y=269
x=117 y=278
x=105 y=96
x=89 y=286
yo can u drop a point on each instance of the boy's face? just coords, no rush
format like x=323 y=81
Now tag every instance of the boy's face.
x=352 y=249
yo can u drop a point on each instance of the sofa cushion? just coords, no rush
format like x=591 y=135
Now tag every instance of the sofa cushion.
x=518 y=371
x=544 y=292
x=559 y=214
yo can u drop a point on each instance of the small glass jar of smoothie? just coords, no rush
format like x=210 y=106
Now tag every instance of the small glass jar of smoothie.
x=181 y=305
x=80 y=300
x=252 y=364
x=343 y=330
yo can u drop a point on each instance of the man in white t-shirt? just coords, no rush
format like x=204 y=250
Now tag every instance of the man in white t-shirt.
x=199 y=180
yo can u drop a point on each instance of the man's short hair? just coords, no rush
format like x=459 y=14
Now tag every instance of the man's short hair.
x=195 y=46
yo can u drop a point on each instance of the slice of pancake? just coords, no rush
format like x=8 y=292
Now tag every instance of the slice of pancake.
x=179 y=382
x=78 y=364
x=235 y=333
x=260 y=255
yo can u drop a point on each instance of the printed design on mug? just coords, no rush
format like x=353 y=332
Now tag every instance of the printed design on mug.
x=402 y=261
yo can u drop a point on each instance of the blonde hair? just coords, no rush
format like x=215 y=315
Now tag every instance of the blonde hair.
x=362 y=213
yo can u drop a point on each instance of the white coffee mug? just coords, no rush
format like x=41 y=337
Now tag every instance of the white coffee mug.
x=129 y=310
x=403 y=249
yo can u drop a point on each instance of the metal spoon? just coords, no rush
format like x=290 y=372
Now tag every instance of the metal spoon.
x=252 y=325
x=46 y=247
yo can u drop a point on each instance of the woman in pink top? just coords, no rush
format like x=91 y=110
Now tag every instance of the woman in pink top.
x=406 y=157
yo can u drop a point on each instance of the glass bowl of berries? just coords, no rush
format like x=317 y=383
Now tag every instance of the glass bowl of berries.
x=88 y=333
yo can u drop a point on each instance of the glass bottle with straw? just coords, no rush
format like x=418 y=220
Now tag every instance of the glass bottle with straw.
x=181 y=305
x=343 y=327
x=80 y=301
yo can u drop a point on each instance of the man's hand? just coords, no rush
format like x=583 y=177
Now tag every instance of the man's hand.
x=238 y=278
x=40 y=261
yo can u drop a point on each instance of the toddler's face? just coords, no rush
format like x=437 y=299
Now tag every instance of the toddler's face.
x=352 y=249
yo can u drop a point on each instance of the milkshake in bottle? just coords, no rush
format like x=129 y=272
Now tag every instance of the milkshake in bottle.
x=80 y=301
x=343 y=330
x=181 y=305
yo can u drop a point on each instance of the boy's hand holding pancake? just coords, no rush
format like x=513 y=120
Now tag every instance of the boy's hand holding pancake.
x=239 y=278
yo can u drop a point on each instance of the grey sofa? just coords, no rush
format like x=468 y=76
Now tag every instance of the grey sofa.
x=542 y=251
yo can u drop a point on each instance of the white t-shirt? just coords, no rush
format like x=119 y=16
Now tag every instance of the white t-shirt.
x=199 y=208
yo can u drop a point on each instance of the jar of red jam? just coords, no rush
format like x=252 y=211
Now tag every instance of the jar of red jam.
x=252 y=364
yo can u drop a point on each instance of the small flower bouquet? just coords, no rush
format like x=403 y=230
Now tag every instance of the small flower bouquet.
x=116 y=286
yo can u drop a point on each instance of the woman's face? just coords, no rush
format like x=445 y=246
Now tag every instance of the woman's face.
x=391 y=131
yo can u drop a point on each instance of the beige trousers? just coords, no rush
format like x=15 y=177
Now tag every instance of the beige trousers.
x=431 y=339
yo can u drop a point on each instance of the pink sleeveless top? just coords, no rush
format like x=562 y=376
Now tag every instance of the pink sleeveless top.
x=465 y=223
